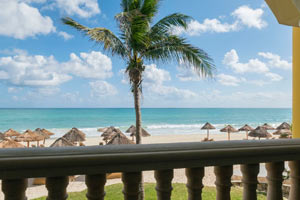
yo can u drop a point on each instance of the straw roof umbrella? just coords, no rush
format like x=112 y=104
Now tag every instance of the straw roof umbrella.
x=47 y=132
x=132 y=130
x=208 y=127
x=267 y=127
x=30 y=136
x=62 y=142
x=285 y=126
x=246 y=128
x=109 y=133
x=119 y=138
x=10 y=144
x=11 y=133
x=228 y=129
x=2 y=137
x=102 y=129
x=42 y=133
x=260 y=132
x=75 y=135
x=283 y=131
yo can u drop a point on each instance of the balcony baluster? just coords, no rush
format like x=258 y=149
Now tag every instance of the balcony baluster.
x=95 y=186
x=131 y=182
x=295 y=180
x=164 y=183
x=274 y=178
x=249 y=180
x=223 y=181
x=14 y=189
x=57 y=187
x=194 y=182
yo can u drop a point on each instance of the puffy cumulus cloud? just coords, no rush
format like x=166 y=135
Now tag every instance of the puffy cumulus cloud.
x=81 y=8
x=273 y=76
x=208 y=25
x=154 y=75
x=244 y=16
x=48 y=91
x=102 y=89
x=187 y=74
x=275 y=61
x=20 y=20
x=249 y=17
x=170 y=92
x=89 y=65
x=23 y=70
x=65 y=35
x=154 y=79
x=228 y=80
x=42 y=71
x=231 y=59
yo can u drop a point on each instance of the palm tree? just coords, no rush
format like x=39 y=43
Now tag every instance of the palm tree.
x=140 y=40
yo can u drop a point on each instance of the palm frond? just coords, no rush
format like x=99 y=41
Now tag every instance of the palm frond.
x=150 y=8
x=165 y=25
x=176 y=48
x=102 y=36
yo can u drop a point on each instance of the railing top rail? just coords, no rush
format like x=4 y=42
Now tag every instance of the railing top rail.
x=35 y=162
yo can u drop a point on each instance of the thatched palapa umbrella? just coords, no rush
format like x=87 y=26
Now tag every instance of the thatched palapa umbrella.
x=260 y=132
x=284 y=126
x=62 y=142
x=132 y=130
x=102 y=129
x=267 y=127
x=2 y=137
x=208 y=127
x=283 y=131
x=10 y=144
x=246 y=128
x=75 y=135
x=42 y=133
x=109 y=133
x=30 y=136
x=228 y=129
x=119 y=138
x=11 y=133
x=47 y=132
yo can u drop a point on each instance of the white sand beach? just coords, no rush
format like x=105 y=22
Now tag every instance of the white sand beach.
x=179 y=174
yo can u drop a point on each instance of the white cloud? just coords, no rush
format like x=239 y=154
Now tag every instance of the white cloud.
x=81 y=8
x=249 y=17
x=273 y=76
x=275 y=61
x=65 y=35
x=42 y=71
x=89 y=65
x=170 y=92
x=153 y=75
x=13 y=89
x=48 y=91
x=231 y=59
x=102 y=89
x=72 y=97
x=23 y=70
x=243 y=16
x=187 y=74
x=154 y=79
x=19 y=20
x=228 y=80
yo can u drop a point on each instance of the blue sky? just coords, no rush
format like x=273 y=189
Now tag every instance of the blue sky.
x=44 y=63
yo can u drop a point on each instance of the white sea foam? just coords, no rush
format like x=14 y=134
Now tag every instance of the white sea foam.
x=157 y=129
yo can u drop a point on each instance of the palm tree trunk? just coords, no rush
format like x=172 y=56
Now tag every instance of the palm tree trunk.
x=138 y=116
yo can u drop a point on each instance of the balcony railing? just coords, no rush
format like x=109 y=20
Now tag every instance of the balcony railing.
x=16 y=165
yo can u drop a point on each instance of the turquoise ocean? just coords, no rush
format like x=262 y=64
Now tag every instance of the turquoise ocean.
x=158 y=121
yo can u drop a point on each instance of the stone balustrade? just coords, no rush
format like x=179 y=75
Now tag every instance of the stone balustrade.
x=56 y=164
